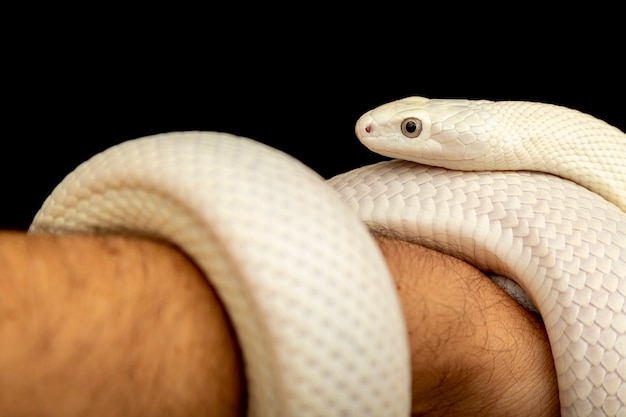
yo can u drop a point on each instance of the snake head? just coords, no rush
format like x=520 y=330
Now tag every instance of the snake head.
x=441 y=132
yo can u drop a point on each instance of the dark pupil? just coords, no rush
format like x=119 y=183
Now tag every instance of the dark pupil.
x=411 y=126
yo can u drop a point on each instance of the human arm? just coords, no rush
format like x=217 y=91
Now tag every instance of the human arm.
x=474 y=351
x=109 y=325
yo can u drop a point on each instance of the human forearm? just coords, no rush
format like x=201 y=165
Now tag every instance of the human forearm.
x=105 y=325
x=474 y=350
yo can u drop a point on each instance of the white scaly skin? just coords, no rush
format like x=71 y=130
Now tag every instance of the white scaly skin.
x=306 y=287
x=503 y=135
x=558 y=239
x=563 y=244
x=312 y=302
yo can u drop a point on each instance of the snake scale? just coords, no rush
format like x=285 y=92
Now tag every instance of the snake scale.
x=531 y=191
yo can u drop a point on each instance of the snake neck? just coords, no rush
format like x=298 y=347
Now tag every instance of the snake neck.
x=560 y=141
x=570 y=144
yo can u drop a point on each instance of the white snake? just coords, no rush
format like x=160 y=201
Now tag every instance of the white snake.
x=313 y=305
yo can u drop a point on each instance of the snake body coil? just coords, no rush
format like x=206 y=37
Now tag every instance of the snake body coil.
x=561 y=242
x=312 y=303
x=308 y=292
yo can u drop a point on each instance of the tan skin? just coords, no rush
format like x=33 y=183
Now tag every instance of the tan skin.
x=474 y=351
x=118 y=326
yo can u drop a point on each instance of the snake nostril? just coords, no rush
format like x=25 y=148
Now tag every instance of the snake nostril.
x=368 y=129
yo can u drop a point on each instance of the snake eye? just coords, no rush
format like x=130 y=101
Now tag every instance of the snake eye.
x=411 y=127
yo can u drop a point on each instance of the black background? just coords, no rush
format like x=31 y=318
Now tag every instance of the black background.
x=296 y=83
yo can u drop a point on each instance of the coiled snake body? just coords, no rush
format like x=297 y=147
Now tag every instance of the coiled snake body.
x=312 y=302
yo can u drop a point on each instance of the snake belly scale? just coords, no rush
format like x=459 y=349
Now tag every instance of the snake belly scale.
x=311 y=300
